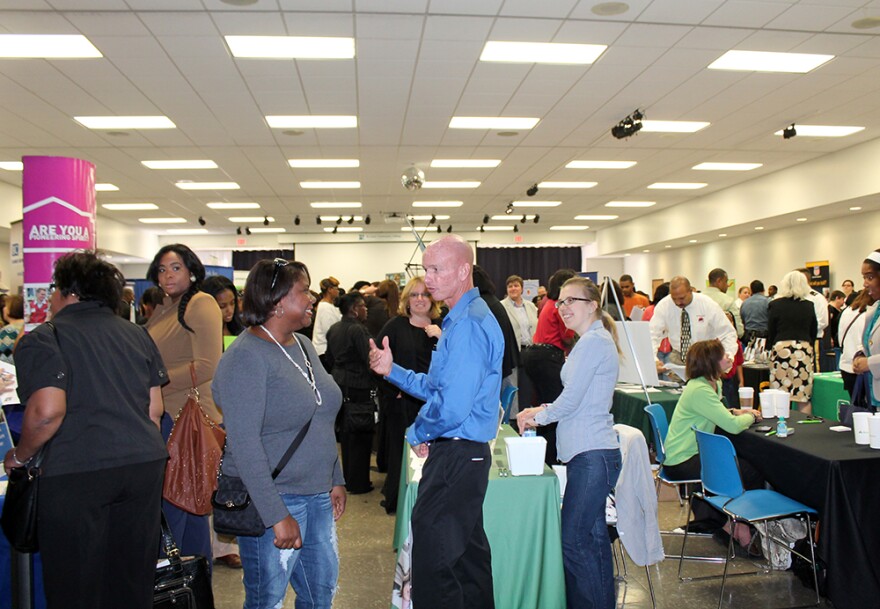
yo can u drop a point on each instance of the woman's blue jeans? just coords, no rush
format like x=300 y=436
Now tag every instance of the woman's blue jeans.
x=312 y=570
x=586 y=548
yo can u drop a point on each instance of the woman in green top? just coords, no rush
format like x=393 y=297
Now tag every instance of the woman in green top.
x=700 y=406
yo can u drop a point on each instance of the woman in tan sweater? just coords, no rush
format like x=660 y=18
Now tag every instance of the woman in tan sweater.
x=187 y=329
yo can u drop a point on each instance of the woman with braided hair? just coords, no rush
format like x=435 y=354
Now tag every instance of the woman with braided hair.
x=187 y=329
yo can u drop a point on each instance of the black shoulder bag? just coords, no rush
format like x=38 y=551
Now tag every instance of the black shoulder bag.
x=19 y=518
x=183 y=582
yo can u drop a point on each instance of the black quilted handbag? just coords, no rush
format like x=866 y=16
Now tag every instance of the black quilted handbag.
x=182 y=582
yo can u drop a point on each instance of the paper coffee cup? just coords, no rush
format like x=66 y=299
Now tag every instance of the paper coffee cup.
x=768 y=404
x=874 y=431
x=746 y=397
x=860 y=427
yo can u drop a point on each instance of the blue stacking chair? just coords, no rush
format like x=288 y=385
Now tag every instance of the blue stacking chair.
x=723 y=490
x=659 y=428
x=507 y=395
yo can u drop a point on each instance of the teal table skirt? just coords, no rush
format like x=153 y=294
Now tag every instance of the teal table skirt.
x=522 y=519
x=628 y=407
x=827 y=391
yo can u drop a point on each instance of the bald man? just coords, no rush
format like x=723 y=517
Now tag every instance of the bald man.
x=451 y=560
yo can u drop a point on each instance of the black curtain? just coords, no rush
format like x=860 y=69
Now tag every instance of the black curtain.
x=527 y=262
x=244 y=260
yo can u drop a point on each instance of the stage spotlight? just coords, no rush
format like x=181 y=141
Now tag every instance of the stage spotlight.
x=296 y=220
x=789 y=132
x=317 y=219
x=532 y=191
x=509 y=209
x=247 y=230
x=628 y=126
x=238 y=231
x=537 y=218
x=449 y=229
x=265 y=220
x=367 y=220
x=202 y=221
x=486 y=219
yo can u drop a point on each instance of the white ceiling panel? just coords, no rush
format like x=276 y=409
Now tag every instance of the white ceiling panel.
x=249 y=24
x=317 y=5
x=525 y=30
x=115 y=24
x=452 y=29
x=810 y=17
x=745 y=14
x=389 y=27
x=687 y=12
x=319 y=24
x=391 y=6
x=547 y=8
x=465 y=7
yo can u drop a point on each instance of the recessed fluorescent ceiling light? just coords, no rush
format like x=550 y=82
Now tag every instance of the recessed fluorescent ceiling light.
x=343 y=229
x=129 y=206
x=312 y=122
x=463 y=184
x=186 y=231
x=492 y=122
x=536 y=203
x=677 y=185
x=498 y=228
x=47 y=46
x=195 y=164
x=344 y=218
x=727 y=166
x=207 y=185
x=465 y=163
x=12 y=165
x=801 y=219
x=322 y=163
x=334 y=205
x=541 y=52
x=855 y=208
x=290 y=47
x=763 y=61
x=824 y=130
x=225 y=205
x=437 y=203
x=630 y=203
x=245 y=219
x=561 y=227
x=125 y=122
x=673 y=126
x=406 y=229
x=320 y=184
x=513 y=217
x=436 y=217
x=594 y=217
x=600 y=164
x=106 y=187
x=566 y=184
x=271 y=229
x=162 y=220
x=692 y=241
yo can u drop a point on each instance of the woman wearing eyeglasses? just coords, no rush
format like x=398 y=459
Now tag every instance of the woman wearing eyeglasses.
x=412 y=346
x=271 y=385
x=187 y=329
x=586 y=442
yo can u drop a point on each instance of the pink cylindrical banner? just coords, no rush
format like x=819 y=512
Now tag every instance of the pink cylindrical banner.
x=58 y=209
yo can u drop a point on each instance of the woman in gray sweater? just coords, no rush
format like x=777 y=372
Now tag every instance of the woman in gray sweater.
x=270 y=384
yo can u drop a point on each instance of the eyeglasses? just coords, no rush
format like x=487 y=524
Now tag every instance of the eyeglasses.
x=424 y=295
x=570 y=301
x=279 y=263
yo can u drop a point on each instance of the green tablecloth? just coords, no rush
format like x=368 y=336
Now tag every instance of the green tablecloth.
x=628 y=407
x=827 y=390
x=522 y=519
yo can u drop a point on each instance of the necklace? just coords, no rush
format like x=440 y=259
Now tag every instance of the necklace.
x=310 y=376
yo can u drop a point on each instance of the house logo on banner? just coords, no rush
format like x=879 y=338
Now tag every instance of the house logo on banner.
x=53 y=225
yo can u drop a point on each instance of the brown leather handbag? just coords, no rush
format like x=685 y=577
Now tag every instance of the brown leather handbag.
x=195 y=448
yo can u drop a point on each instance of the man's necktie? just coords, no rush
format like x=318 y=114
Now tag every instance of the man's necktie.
x=685 y=332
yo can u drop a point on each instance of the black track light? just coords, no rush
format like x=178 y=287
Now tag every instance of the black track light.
x=486 y=219
x=439 y=230
x=449 y=229
x=367 y=220
x=265 y=220
x=247 y=230
x=523 y=219
x=350 y=220
x=202 y=221
x=515 y=228
x=509 y=209
x=238 y=231
x=532 y=191
x=537 y=217
x=338 y=220
x=482 y=229
x=335 y=228
x=433 y=219
x=628 y=126
x=296 y=220
x=317 y=219
x=789 y=132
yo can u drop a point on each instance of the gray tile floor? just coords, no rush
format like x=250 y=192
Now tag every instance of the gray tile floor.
x=367 y=567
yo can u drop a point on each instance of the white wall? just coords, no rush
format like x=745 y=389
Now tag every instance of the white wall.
x=350 y=262
x=768 y=255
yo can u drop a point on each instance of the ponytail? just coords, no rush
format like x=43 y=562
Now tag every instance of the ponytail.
x=184 y=301
x=608 y=323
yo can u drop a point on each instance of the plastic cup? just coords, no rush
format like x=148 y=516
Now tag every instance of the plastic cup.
x=874 y=431
x=746 y=397
x=860 y=427
x=768 y=403
x=782 y=403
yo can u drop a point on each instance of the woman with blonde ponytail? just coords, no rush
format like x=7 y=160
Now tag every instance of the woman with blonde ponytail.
x=586 y=443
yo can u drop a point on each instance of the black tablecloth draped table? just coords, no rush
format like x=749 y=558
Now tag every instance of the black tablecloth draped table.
x=829 y=472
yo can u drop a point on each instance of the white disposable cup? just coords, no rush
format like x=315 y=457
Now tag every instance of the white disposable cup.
x=860 y=427
x=874 y=430
x=746 y=397
x=768 y=404
x=782 y=403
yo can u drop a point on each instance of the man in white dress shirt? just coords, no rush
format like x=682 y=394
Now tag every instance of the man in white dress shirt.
x=685 y=317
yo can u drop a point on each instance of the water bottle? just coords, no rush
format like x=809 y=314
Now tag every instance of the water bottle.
x=782 y=428
x=530 y=433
